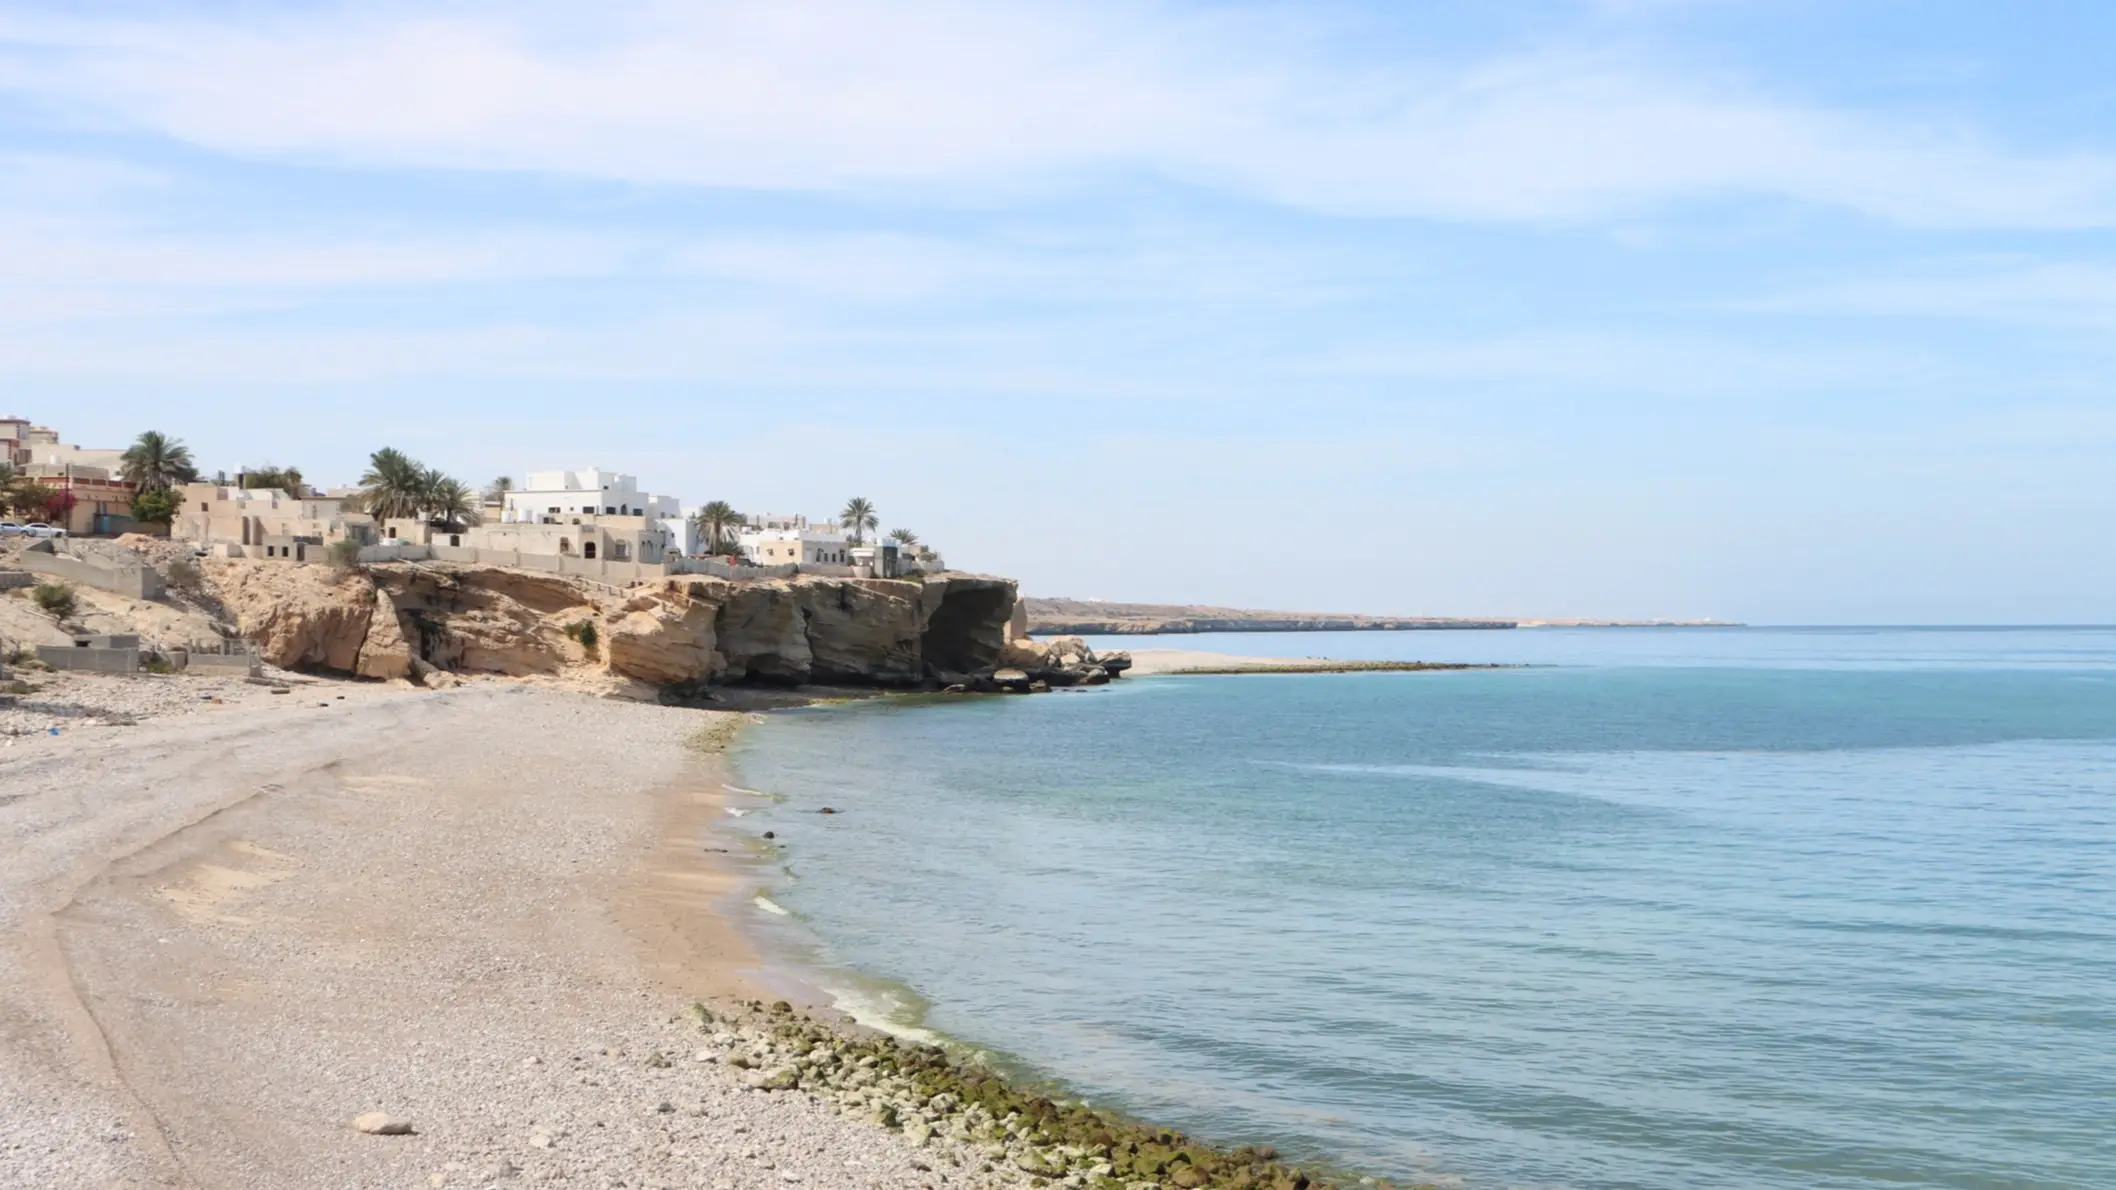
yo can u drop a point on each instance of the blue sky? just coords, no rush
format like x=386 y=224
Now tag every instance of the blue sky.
x=1776 y=311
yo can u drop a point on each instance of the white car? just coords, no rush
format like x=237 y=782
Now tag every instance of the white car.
x=40 y=529
x=10 y=529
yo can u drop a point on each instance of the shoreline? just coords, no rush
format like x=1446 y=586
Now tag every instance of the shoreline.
x=1062 y=1141
x=481 y=912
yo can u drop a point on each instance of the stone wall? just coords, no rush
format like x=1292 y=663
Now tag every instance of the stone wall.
x=134 y=580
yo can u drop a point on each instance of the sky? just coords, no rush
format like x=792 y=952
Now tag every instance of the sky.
x=1768 y=310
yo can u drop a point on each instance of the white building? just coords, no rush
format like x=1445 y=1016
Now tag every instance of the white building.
x=555 y=497
x=809 y=547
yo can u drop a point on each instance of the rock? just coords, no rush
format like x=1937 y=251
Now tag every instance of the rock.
x=540 y=1141
x=377 y=1123
x=297 y=615
x=667 y=638
x=918 y=1132
x=499 y=1171
x=386 y=652
x=785 y=1078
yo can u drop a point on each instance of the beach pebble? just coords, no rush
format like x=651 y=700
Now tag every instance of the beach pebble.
x=377 y=1123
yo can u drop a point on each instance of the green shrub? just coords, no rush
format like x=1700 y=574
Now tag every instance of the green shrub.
x=184 y=575
x=157 y=664
x=344 y=555
x=157 y=508
x=56 y=598
x=584 y=632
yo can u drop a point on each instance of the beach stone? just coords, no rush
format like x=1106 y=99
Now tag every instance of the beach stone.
x=377 y=1123
x=540 y=1141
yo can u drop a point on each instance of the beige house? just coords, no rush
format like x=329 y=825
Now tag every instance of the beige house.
x=589 y=537
x=267 y=522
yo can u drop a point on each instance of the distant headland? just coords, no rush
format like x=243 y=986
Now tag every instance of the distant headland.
x=1094 y=617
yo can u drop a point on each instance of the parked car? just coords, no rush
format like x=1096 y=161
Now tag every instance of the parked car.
x=10 y=529
x=40 y=529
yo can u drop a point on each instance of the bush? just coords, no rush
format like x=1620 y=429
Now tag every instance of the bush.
x=56 y=598
x=157 y=664
x=184 y=575
x=344 y=555
x=584 y=632
x=157 y=508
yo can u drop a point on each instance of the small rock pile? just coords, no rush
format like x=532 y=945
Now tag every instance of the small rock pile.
x=989 y=1123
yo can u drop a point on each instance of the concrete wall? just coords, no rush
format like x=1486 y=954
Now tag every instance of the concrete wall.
x=108 y=661
x=133 y=580
x=395 y=553
x=11 y=579
x=720 y=568
x=229 y=664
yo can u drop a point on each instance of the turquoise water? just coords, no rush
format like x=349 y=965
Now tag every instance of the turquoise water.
x=1728 y=908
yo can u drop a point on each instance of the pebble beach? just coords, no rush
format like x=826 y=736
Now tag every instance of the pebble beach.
x=356 y=935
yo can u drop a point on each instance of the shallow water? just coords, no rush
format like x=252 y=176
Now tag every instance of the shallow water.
x=1727 y=908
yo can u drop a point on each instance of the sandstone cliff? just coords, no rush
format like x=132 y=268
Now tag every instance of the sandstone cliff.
x=402 y=621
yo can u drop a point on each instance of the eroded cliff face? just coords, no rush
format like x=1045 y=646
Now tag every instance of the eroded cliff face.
x=399 y=621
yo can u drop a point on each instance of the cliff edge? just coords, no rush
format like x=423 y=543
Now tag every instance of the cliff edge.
x=425 y=622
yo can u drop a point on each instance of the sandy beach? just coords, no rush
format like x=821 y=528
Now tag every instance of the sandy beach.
x=226 y=934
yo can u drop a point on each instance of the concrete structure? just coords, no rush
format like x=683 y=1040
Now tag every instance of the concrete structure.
x=267 y=522
x=776 y=539
x=97 y=654
x=231 y=658
x=132 y=579
x=591 y=538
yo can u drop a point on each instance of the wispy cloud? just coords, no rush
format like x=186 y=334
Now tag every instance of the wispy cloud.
x=971 y=100
x=2012 y=289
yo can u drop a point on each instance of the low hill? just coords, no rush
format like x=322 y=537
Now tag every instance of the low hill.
x=1081 y=617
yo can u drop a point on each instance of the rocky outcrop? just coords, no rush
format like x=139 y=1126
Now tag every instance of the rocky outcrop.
x=298 y=616
x=420 y=621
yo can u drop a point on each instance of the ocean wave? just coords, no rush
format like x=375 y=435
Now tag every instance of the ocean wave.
x=770 y=906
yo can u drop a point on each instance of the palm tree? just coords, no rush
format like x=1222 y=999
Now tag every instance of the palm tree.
x=393 y=486
x=903 y=537
x=496 y=491
x=450 y=504
x=157 y=462
x=715 y=520
x=859 y=517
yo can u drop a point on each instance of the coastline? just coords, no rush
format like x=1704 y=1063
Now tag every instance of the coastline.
x=1149 y=663
x=499 y=914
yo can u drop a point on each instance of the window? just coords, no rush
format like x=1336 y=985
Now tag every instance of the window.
x=608 y=511
x=555 y=510
x=587 y=549
x=588 y=508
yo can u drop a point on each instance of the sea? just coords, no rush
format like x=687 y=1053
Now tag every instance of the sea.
x=1741 y=908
